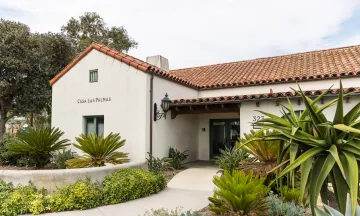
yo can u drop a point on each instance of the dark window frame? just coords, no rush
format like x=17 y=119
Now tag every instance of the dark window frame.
x=95 y=119
x=93 y=75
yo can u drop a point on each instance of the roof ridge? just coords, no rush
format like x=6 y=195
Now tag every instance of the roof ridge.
x=270 y=57
x=125 y=58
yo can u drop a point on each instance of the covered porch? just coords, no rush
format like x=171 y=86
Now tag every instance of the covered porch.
x=217 y=125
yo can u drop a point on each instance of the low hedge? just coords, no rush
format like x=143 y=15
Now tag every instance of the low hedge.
x=130 y=184
x=121 y=186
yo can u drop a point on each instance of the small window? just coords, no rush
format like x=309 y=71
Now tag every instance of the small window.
x=93 y=75
x=94 y=124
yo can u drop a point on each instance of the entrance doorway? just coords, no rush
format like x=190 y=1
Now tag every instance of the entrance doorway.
x=223 y=133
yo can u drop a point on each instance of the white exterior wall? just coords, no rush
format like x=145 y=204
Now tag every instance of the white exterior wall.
x=181 y=132
x=284 y=87
x=126 y=113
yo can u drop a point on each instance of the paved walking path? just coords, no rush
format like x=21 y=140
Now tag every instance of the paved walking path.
x=188 y=189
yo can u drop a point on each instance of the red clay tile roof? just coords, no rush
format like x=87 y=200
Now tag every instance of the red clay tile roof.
x=323 y=64
x=255 y=97
x=129 y=60
x=337 y=62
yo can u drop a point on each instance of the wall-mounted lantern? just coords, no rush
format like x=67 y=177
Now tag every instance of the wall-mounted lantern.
x=165 y=105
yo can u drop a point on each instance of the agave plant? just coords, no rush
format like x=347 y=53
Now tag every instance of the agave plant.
x=98 y=151
x=324 y=150
x=334 y=212
x=38 y=143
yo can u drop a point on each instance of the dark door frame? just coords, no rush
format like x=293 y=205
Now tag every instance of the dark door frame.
x=211 y=133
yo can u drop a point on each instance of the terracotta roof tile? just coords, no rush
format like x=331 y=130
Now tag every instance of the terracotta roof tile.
x=129 y=60
x=331 y=63
x=337 y=62
x=258 y=96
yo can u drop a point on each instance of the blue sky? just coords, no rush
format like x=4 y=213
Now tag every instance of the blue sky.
x=199 y=32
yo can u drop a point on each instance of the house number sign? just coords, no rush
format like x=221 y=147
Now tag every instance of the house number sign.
x=94 y=100
x=255 y=119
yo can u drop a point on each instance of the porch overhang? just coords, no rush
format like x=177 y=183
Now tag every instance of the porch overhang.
x=204 y=108
x=228 y=104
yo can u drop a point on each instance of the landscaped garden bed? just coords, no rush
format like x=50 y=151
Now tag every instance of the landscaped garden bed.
x=121 y=186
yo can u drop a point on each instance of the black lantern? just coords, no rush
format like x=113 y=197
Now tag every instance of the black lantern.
x=165 y=105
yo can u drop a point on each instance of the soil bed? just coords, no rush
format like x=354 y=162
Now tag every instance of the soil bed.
x=9 y=167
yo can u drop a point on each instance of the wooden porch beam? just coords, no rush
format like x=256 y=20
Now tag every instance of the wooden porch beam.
x=204 y=110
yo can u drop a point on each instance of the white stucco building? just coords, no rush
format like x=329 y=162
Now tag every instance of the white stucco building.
x=105 y=91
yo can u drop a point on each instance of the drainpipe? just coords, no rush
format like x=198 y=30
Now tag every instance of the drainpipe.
x=151 y=108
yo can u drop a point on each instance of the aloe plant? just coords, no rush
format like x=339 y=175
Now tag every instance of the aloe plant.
x=334 y=212
x=324 y=150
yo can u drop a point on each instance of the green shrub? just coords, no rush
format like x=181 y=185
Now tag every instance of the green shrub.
x=130 y=184
x=239 y=193
x=98 y=151
x=5 y=190
x=19 y=201
x=157 y=165
x=292 y=195
x=230 y=158
x=177 y=157
x=124 y=185
x=278 y=207
x=38 y=143
x=5 y=157
x=39 y=204
x=81 y=195
x=59 y=158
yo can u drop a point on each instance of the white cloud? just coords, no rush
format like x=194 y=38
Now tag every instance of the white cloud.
x=198 y=32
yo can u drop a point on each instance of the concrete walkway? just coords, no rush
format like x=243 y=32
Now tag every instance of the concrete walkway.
x=188 y=189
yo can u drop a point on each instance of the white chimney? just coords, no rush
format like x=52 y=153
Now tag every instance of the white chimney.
x=159 y=61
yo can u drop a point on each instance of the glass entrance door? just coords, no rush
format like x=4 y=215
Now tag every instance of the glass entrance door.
x=223 y=133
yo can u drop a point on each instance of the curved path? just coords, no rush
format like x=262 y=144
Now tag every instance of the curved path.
x=188 y=189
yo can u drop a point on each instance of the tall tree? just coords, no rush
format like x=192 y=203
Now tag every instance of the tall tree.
x=27 y=63
x=17 y=69
x=54 y=52
x=91 y=27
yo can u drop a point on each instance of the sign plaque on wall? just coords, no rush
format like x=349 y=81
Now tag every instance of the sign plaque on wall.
x=94 y=100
